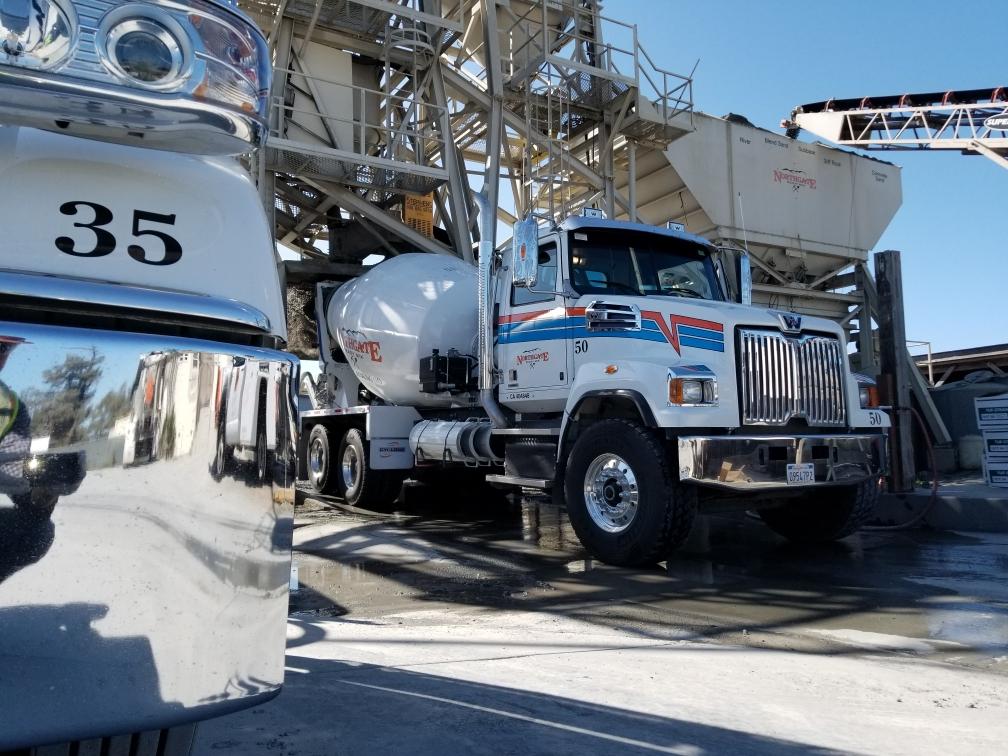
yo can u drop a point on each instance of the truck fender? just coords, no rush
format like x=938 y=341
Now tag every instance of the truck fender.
x=627 y=397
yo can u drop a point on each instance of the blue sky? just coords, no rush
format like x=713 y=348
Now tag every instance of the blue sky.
x=760 y=59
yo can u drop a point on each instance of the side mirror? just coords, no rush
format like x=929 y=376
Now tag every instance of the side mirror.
x=525 y=254
x=744 y=271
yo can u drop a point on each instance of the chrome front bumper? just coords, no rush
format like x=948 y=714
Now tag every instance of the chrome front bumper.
x=143 y=568
x=760 y=463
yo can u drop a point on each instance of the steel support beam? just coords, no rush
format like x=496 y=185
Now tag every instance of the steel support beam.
x=495 y=124
x=354 y=202
x=987 y=152
x=895 y=377
x=474 y=93
x=458 y=187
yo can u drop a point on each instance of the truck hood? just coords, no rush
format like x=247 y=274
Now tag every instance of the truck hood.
x=684 y=318
x=85 y=209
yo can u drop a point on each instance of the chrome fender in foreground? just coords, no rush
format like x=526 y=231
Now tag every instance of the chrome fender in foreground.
x=143 y=568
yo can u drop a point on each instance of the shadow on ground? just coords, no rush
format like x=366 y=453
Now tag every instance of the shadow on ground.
x=734 y=580
x=331 y=707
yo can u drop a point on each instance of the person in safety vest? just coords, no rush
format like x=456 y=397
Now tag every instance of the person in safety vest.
x=15 y=428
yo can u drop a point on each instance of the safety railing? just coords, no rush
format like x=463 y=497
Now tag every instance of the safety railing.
x=362 y=16
x=551 y=29
x=368 y=122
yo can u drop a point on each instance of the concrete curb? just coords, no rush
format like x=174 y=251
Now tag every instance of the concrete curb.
x=973 y=508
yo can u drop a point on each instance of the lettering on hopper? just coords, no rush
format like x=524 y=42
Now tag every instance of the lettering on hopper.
x=797 y=179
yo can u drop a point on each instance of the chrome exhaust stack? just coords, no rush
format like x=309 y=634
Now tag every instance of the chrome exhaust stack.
x=487 y=372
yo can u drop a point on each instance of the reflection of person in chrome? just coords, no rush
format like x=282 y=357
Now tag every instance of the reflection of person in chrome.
x=15 y=429
x=12 y=47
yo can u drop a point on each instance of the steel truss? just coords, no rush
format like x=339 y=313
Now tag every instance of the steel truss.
x=375 y=100
x=972 y=122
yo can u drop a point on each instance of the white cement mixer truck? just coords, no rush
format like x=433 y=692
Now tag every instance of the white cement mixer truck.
x=147 y=412
x=601 y=361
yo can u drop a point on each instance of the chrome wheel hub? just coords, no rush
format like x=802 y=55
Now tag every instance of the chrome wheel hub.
x=611 y=493
x=317 y=461
x=350 y=468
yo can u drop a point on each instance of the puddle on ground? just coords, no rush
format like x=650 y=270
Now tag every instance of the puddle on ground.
x=946 y=590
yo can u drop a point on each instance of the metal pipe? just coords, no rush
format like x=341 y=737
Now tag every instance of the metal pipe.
x=488 y=220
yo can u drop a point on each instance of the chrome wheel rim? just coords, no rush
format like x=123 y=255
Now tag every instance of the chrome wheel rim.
x=317 y=462
x=219 y=454
x=611 y=493
x=350 y=468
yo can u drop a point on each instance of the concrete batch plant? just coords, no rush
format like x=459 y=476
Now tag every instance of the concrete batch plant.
x=378 y=103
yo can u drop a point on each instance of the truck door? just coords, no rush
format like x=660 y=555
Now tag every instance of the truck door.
x=532 y=335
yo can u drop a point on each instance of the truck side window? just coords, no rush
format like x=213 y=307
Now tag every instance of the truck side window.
x=546 y=282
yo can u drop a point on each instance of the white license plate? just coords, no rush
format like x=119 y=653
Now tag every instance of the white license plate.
x=801 y=474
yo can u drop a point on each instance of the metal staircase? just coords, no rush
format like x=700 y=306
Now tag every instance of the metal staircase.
x=375 y=100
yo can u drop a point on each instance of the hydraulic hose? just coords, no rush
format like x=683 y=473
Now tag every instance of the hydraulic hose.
x=919 y=517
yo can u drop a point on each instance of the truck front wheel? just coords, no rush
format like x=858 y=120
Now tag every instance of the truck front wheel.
x=827 y=515
x=623 y=499
x=359 y=484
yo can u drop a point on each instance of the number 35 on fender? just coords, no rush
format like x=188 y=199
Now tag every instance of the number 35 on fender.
x=104 y=241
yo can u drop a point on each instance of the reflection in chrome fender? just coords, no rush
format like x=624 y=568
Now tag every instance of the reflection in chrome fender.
x=152 y=483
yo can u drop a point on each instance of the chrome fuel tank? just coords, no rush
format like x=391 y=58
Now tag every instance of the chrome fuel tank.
x=143 y=567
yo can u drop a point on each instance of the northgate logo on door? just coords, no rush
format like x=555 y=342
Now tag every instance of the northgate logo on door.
x=532 y=357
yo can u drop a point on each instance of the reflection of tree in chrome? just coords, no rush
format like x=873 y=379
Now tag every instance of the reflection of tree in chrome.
x=62 y=408
x=109 y=410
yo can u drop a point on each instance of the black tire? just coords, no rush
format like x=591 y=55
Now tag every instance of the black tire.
x=665 y=509
x=36 y=505
x=829 y=514
x=358 y=484
x=319 y=461
x=263 y=458
x=222 y=460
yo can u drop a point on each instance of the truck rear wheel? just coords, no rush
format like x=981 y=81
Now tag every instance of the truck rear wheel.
x=320 y=468
x=829 y=514
x=623 y=499
x=358 y=483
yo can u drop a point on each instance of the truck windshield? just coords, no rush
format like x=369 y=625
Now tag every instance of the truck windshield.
x=606 y=261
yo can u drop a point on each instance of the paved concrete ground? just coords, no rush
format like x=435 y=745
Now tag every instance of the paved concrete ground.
x=475 y=627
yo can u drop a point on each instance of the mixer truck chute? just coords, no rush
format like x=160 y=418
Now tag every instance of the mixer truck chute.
x=623 y=379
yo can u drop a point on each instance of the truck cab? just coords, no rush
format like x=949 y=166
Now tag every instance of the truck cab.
x=624 y=336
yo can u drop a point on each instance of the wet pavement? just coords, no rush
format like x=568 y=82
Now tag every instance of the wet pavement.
x=476 y=624
x=921 y=592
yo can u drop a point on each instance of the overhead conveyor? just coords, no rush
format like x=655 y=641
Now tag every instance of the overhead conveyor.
x=971 y=121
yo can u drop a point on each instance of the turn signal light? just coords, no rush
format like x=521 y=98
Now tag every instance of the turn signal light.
x=691 y=391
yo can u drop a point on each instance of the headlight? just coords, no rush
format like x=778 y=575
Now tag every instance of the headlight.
x=147 y=52
x=36 y=34
x=867 y=391
x=699 y=389
x=184 y=76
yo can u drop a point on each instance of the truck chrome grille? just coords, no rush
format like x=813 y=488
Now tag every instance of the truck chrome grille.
x=787 y=377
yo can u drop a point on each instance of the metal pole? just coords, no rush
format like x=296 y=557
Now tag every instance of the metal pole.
x=895 y=377
x=495 y=125
x=632 y=179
